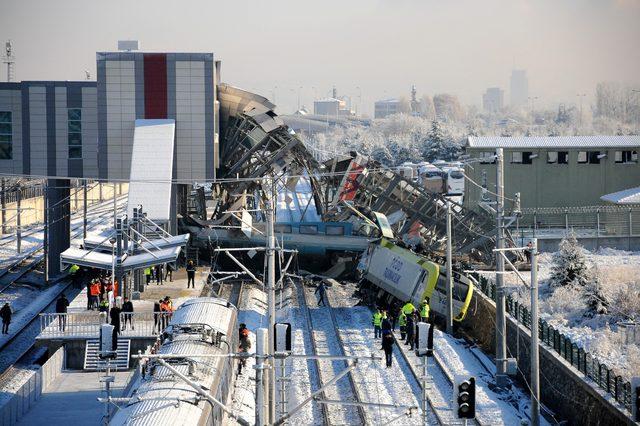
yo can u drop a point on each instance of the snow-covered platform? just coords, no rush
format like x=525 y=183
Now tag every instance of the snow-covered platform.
x=72 y=398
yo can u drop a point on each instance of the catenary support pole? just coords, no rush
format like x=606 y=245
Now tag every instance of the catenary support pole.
x=45 y=241
x=261 y=342
x=535 y=360
x=425 y=401
x=115 y=209
x=84 y=208
x=18 y=220
x=271 y=296
x=3 y=204
x=449 y=273
x=501 y=329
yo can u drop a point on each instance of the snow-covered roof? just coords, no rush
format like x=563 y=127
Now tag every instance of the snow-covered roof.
x=327 y=100
x=388 y=101
x=627 y=196
x=554 y=142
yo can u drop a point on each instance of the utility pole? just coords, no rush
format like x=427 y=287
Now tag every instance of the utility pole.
x=449 y=273
x=535 y=361
x=18 y=220
x=271 y=302
x=84 y=209
x=261 y=338
x=45 y=241
x=115 y=209
x=501 y=326
x=3 y=202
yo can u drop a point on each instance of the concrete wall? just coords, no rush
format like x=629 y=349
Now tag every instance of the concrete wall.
x=27 y=394
x=565 y=390
x=554 y=185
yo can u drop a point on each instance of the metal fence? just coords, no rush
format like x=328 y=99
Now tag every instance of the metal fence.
x=87 y=324
x=588 y=221
x=603 y=376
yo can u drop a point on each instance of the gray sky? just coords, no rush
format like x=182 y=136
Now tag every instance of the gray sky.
x=381 y=46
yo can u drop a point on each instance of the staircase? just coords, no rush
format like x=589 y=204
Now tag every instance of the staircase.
x=94 y=363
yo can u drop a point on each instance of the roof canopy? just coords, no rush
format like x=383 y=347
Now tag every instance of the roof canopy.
x=96 y=259
x=554 y=142
x=628 y=196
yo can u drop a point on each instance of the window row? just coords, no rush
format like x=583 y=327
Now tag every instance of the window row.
x=74 y=131
x=562 y=157
x=6 y=135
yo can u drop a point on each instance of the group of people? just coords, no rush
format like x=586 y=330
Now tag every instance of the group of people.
x=162 y=311
x=101 y=293
x=384 y=325
x=159 y=274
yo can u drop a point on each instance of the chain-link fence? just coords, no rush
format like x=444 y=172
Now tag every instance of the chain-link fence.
x=603 y=376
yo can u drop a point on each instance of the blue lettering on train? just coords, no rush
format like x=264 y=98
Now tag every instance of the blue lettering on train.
x=391 y=273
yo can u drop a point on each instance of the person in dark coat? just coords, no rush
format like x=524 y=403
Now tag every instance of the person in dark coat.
x=114 y=314
x=61 y=308
x=5 y=314
x=159 y=275
x=157 y=313
x=410 y=328
x=191 y=274
x=387 y=347
x=169 y=273
x=385 y=325
x=321 y=292
x=127 y=308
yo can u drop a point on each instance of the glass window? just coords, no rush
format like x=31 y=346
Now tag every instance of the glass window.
x=308 y=229
x=527 y=157
x=625 y=157
x=335 y=230
x=552 y=157
x=74 y=130
x=594 y=157
x=456 y=174
x=282 y=229
x=6 y=135
x=487 y=157
x=582 y=157
x=563 y=157
x=516 y=157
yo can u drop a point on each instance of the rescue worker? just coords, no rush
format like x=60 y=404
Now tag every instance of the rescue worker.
x=408 y=308
x=167 y=309
x=103 y=306
x=385 y=325
x=89 y=298
x=321 y=292
x=387 y=347
x=377 y=323
x=61 y=308
x=74 y=271
x=169 y=274
x=147 y=274
x=191 y=274
x=157 y=313
x=424 y=310
x=527 y=252
x=5 y=314
x=95 y=294
x=127 y=308
x=114 y=314
x=410 y=328
x=402 y=320
x=244 y=345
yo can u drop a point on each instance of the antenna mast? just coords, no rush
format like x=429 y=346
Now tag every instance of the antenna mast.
x=9 y=59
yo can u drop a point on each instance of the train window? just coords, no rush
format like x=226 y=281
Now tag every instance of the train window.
x=308 y=229
x=334 y=230
x=282 y=229
x=456 y=174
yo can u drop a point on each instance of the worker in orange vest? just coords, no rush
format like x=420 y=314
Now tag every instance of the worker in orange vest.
x=94 y=295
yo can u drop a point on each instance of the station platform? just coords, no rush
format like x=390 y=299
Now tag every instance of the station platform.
x=72 y=399
x=75 y=329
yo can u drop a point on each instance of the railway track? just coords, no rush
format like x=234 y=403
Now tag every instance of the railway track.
x=355 y=394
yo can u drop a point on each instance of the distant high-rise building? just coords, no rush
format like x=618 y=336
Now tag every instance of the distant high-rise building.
x=493 y=99
x=519 y=88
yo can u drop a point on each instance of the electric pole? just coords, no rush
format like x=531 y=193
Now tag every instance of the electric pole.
x=271 y=302
x=449 y=273
x=501 y=327
x=535 y=361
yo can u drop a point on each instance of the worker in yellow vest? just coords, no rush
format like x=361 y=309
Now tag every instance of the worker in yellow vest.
x=377 y=322
x=408 y=308
x=424 y=310
x=402 y=320
x=147 y=274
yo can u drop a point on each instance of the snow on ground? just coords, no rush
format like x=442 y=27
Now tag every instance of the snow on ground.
x=564 y=308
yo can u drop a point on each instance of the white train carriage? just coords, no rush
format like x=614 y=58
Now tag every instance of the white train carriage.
x=201 y=326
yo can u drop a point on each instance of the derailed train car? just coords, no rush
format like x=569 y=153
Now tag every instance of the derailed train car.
x=405 y=276
x=201 y=326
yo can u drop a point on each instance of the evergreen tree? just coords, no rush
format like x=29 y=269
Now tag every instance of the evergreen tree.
x=570 y=264
x=439 y=145
x=594 y=297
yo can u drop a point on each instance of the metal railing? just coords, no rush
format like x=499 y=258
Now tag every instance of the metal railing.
x=587 y=221
x=87 y=324
x=605 y=377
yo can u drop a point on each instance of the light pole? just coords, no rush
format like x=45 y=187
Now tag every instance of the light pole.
x=581 y=97
x=359 y=100
x=113 y=240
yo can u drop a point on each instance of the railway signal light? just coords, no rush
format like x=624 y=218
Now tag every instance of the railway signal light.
x=465 y=398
